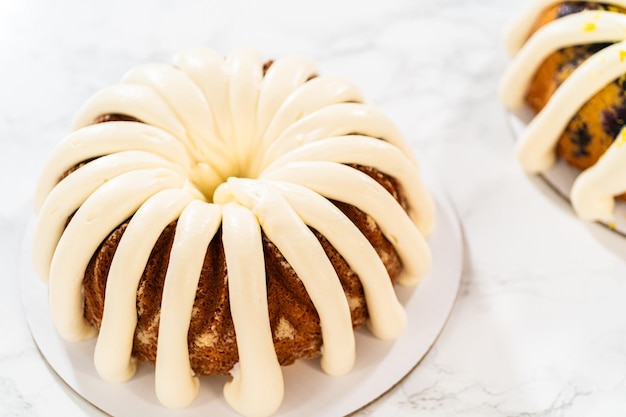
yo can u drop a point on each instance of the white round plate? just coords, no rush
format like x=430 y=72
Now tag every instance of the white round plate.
x=308 y=391
x=561 y=176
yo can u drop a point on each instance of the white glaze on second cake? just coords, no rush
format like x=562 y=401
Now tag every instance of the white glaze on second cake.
x=220 y=144
x=536 y=145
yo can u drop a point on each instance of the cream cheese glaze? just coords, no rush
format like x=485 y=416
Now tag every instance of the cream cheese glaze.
x=519 y=31
x=536 y=144
x=594 y=190
x=218 y=143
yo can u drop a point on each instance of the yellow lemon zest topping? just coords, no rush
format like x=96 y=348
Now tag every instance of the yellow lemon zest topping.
x=589 y=27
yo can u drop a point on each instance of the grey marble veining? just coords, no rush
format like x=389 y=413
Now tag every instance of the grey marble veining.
x=539 y=328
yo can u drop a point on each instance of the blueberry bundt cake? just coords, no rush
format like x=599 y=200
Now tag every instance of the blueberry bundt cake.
x=229 y=216
x=569 y=67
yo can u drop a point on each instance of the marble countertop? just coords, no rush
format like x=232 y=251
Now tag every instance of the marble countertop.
x=539 y=327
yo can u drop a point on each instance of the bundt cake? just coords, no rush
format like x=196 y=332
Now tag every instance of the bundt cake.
x=569 y=67
x=228 y=216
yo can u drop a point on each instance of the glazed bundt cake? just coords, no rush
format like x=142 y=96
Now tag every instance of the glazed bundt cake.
x=569 y=67
x=228 y=216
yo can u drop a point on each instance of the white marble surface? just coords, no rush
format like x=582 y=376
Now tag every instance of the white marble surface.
x=539 y=328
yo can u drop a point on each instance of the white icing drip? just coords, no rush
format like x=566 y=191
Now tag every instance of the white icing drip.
x=207 y=120
x=594 y=190
x=387 y=318
x=104 y=210
x=336 y=120
x=245 y=67
x=348 y=185
x=363 y=150
x=144 y=103
x=71 y=193
x=281 y=79
x=189 y=106
x=577 y=29
x=257 y=386
x=306 y=256
x=107 y=138
x=139 y=101
x=119 y=318
x=519 y=31
x=535 y=147
x=175 y=384
x=316 y=94
x=207 y=69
